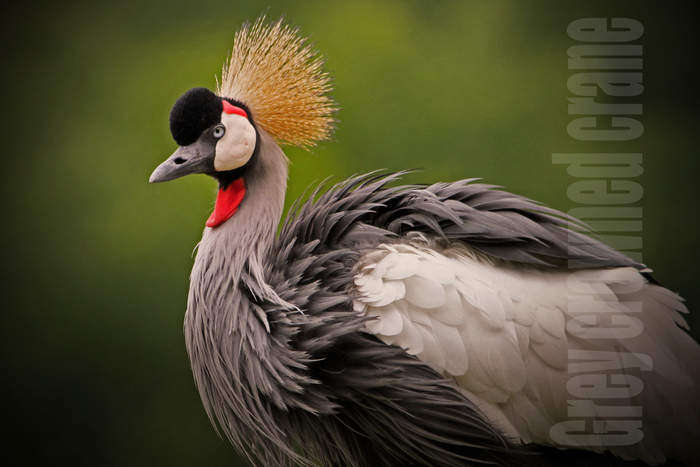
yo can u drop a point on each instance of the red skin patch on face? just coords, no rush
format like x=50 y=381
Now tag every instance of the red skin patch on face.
x=227 y=202
x=232 y=109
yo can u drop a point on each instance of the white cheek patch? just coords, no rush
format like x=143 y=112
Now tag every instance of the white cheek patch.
x=237 y=145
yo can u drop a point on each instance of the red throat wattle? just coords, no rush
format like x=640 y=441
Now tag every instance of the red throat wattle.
x=227 y=202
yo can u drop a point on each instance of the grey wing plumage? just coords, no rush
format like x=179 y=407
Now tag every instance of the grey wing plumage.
x=360 y=385
x=364 y=210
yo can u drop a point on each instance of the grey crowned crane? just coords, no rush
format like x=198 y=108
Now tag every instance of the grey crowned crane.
x=443 y=325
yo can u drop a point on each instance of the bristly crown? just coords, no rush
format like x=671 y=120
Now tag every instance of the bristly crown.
x=281 y=79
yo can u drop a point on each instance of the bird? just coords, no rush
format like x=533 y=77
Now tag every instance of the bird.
x=452 y=324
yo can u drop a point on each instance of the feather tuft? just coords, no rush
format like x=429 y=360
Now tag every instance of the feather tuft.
x=282 y=81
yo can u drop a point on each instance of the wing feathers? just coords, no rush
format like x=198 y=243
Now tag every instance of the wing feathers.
x=493 y=304
x=503 y=333
x=424 y=293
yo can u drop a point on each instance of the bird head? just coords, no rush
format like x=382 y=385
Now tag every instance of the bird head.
x=272 y=76
x=216 y=136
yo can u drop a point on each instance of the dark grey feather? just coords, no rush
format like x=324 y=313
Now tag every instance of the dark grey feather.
x=498 y=223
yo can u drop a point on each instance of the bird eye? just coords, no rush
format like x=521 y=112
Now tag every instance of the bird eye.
x=219 y=132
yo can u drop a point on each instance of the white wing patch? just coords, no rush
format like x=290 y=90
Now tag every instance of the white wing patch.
x=503 y=333
x=465 y=317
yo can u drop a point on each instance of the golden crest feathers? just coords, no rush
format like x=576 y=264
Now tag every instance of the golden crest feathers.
x=282 y=81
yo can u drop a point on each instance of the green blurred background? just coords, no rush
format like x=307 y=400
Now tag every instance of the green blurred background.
x=96 y=260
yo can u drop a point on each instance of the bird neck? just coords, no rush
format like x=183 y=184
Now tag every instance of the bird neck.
x=236 y=248
x=225 y=328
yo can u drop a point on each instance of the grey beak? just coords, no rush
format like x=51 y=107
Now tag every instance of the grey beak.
x=196 y=158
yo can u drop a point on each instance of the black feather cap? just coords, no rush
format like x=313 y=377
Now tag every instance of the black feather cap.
x=195 y=111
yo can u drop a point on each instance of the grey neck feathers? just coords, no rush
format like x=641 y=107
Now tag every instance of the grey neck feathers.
x=236 y=249
x=226 y=333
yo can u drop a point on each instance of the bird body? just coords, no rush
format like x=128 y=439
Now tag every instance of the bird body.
x=444 y=325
